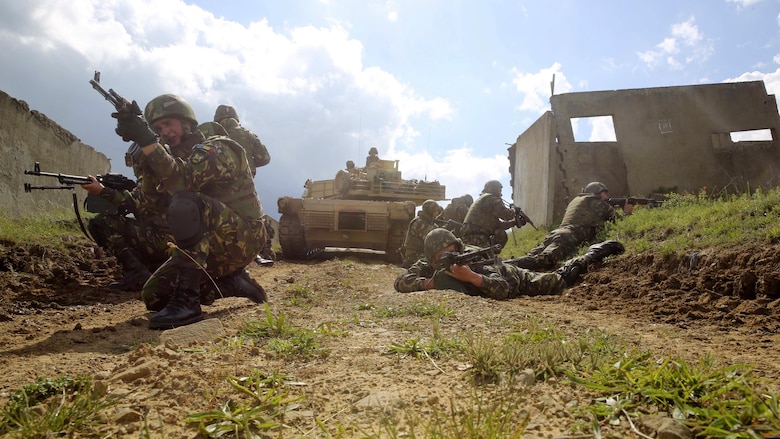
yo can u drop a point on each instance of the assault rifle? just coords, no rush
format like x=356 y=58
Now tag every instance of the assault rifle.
x=120 y=103
x=620 y=202
x=93 y=203
x=521 y=218
x=116 y=100
x=482 y=256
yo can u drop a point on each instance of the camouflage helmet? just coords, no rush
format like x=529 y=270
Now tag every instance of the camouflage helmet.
x=467 y=199
x=431 y=208
x=595 y=187
x=438 y=239
x=350 y=164
x=492 y=187
x=373 y=151
x=169 y=105
x=224 y=112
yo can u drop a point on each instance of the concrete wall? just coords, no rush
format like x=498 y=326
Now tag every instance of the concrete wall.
x=667 y=138
x=26 y=137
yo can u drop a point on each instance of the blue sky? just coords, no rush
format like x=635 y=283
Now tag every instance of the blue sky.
x=442 y=86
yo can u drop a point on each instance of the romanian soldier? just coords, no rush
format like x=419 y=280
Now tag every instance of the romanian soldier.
x=585 y=216
x=215 y=215
x=496 y=280
x=488 y=218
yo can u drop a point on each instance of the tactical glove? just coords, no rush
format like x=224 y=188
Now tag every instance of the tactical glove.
x=131 y=126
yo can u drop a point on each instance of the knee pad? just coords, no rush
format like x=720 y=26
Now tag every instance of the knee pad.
x=185 y=219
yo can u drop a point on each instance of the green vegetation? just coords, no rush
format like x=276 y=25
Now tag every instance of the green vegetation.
x=54 y=229
x=61 y=406
x=436 y=311
x=259 y=406
x=283 y=338
x=684 y=223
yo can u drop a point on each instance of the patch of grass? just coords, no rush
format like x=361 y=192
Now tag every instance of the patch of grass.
x=481 y=415
x=300 y=294
x=436 y=311
x=54 y=229
x=60 y=406
x=258 y=406
x=283 y=338
x=691 y=222
x=713 y=401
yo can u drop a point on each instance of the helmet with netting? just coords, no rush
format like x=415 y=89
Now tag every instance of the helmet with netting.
x=169 y=105
x=224 y=112
x=493 y=187
x=467 y=199
x=431 y=208
x=595 y=187
x=350 y=164
x=438 y=239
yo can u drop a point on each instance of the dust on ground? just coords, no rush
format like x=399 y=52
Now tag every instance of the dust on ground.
x=57 y=317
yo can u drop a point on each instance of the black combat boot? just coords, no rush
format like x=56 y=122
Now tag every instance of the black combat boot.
x=135 y=273
x=572 y=269
x=184 y=306
x=240 y=284
x=597 y=252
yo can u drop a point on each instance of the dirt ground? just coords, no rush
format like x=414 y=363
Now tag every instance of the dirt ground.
x=57 y=317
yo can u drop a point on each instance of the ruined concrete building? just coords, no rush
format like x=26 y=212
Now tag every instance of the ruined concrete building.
x=718 y=137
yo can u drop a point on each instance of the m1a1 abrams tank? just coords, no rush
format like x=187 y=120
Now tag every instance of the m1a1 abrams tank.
x=361 y=208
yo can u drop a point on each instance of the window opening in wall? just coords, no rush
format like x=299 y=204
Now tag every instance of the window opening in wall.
x=751 y=135
x=593 y=129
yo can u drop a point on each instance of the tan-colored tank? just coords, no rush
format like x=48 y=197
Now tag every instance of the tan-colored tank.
x=363 y=208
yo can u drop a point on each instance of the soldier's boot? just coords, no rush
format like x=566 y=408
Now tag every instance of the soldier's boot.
x=240 y=284
x=572 y=269
x=184 y=306
x=597 y=252
x=530 y=263
x=134 y=272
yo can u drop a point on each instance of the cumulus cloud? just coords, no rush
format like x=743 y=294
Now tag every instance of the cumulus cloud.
x=684 y=46
x=305 y=90
x=534 y=88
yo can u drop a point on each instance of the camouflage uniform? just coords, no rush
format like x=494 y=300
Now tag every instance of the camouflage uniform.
x=499 y=280
x=418 y=228
x=486 y=221
x=217 y=176
x=146 y=232
x=139 y=242
x=585 y=215
x=457 y=209
x=256 y=152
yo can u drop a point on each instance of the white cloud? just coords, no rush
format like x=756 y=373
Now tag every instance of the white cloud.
x=744 y=3
x=535 y=87
x=685 y=46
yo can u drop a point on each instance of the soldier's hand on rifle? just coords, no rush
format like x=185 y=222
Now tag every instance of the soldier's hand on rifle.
x=131 y=126
x=93 y=188
x=628 y=208
x=464 y=273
